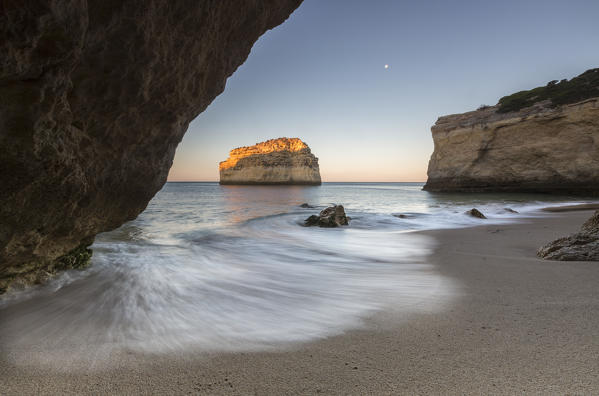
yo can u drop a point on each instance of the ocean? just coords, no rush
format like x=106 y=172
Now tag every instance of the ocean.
x=231 y=268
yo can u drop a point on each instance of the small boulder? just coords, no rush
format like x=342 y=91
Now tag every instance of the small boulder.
x=582 y=246
x=306 y=205
x=333 y=216
x=509 y=210
x=476 y=213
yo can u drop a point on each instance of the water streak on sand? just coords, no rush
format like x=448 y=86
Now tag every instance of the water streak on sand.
x=212 y=268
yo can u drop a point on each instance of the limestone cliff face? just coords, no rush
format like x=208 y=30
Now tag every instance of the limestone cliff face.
x=540 y=148
x=276 y=161
x=94 y=98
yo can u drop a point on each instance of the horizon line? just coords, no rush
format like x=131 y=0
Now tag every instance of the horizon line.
x=336 y=181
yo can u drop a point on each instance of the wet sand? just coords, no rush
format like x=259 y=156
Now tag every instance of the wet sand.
x=572 y=208
x=518 y=325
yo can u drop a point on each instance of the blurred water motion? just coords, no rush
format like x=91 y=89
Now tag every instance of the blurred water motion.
x=211 y=268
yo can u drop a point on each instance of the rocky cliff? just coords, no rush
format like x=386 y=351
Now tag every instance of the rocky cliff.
x=543 y=140
x=276 y=161
x=94 y=98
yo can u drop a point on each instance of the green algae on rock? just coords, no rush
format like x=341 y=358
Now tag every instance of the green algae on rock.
x=78 y=258
x=38 y=272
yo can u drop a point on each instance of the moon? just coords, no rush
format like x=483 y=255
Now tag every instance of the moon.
x=386 y=66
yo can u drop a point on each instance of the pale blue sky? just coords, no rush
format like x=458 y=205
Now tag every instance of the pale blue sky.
x=320 y=77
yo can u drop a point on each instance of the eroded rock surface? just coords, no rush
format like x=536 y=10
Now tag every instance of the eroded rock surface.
x=333 y=216
x=94 y=98
x=276 y=161
x=540 y=148
x=582 y=246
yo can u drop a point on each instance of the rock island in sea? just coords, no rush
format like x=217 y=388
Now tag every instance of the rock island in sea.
x=276 y=161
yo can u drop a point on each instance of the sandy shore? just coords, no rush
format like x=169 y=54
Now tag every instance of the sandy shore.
x=572 y=208
x=518 y=325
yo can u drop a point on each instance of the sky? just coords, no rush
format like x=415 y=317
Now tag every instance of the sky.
x=321 y=76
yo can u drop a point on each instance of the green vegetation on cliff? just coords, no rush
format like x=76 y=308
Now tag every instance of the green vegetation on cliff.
x=559 y=93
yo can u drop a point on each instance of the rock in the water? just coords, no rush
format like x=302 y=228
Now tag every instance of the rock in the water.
x=582 y=246
x=406 y=215
x=306 y=205
x=312 y=221
x=333 y=216
x=532 y=145
x=476 y=213
x=94 y=98
x=276 y=161
x=401 y=216
x=509 y=210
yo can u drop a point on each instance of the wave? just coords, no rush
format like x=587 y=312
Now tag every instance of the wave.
x=199 y=271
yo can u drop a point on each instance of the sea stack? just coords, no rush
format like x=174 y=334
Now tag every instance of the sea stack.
x=276 y=161
x=542 y=140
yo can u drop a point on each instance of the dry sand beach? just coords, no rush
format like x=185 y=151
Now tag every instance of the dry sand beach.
x=519 y=325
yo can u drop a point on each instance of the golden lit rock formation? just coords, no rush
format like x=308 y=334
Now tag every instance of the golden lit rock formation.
x=276 y=161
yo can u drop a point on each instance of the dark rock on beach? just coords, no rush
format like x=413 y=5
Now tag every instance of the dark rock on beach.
x=591 y=226
x=95 y=96
x=476 y=213
x=582 y=246
x=333 y=216
x=306 y=206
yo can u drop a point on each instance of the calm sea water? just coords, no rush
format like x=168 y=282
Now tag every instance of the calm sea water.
x=210 y=268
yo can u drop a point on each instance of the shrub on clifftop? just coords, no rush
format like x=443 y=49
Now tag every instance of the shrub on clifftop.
x=559 y=93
